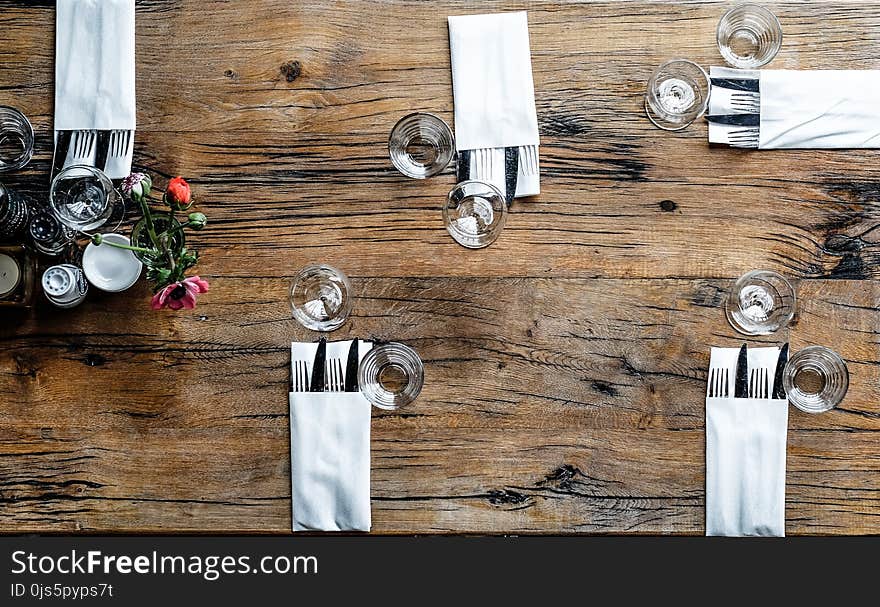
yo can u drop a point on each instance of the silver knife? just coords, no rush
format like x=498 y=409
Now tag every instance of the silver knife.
x=736 y=119
x=752 y=85
x=351 y=368
x=741 y=383
x=778 y=388
x=318 y=367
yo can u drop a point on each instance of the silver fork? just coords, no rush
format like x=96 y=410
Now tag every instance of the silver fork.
x=334 y=381
x=82 y=148
x=300 y=376
x=118 y=160
x=746 y=101
x=759 y=383
x=718 y=386
x=744 y=138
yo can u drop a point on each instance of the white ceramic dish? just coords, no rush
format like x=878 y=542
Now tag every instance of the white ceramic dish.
x=109 y=268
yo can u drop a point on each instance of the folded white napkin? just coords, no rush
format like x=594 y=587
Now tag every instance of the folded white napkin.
x=495 y=95
x=95 y=70
x=329 y=451
x=815 y=109
x=745 y=454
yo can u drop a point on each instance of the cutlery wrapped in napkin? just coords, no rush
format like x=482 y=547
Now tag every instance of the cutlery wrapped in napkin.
x=745 y=452
x=329 y=447
x=495 y=117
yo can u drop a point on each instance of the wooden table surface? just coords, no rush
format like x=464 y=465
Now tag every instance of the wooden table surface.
x=565 y=365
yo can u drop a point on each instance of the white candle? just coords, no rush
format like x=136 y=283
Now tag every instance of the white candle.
x=10 y=275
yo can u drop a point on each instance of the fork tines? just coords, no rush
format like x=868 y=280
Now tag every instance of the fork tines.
x=743 y=138
x=334 y=380
x=718 y=384
x=301 y=378
x=759 y=383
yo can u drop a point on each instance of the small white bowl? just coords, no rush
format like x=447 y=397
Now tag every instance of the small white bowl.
x=109 y=268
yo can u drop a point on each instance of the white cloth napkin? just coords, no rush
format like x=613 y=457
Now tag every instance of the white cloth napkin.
x=808 y=109
x=495 y=95
x=745 y=454
x=94 y=65
x=329 y=451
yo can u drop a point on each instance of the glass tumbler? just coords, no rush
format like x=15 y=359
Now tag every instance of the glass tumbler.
x=760 y=303
x=16 y=139
x=391 y=375
x=320 y=297
x=815 y=379
x=748 y=36
x=474 y=214
x=48 y=235
x=83 y=198
x=421 y=145
x=677 y=94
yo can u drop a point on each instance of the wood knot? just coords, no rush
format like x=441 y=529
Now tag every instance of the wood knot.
x=229 y=73
x=499 y=497
x=668 y=205
x=291 y=70
x=94 y=360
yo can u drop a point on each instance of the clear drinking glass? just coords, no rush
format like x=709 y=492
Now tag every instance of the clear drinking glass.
x=760 y=303
x=749 y=36
x=320 y=297
x=815 y=379
x=678 y=94
x=475 y=213
x=83 y=198
x=16 y=139
x=421 y=145
x=391 y=375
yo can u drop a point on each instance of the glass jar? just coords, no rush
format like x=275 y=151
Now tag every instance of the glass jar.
x=162 y=222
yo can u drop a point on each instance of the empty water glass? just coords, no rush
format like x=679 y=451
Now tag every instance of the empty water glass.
x=391 y=375
x=749 y=36
x=475 y=213
x=16 y=139
x=421 y=145
x=815 y=379
x=320 y=297
x=677 y=94
x=760 y=303
x=83 y=198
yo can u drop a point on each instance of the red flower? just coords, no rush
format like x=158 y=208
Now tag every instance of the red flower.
x=177 y=194
x=179 y=295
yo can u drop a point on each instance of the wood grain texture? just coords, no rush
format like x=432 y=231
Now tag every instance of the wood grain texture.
x=565 y=365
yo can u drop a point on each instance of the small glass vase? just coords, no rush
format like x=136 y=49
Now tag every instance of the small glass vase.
x=162 y=222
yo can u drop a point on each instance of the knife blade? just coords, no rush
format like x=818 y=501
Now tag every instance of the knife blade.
x=741 y=382
x=511 y=173
x=752 y=85
x=103 y=147
x=736 y=119
x=318 y=367
x=351 y=368
x=62 y=145
x=778 y=388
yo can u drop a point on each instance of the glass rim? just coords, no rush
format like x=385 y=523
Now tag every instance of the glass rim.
x=453 y=230
x=310 y=322
x=760 y=8
x=649 y=109
x=731 y=302
x=92 y=171
x=789 y=375
x=384 y=398
x=26 y=154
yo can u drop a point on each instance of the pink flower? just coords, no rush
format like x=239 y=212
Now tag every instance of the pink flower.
x=179 y=295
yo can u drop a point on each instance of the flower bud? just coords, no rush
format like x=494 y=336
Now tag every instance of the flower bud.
x=178 y=195
x=137 y=186
x=197 y=221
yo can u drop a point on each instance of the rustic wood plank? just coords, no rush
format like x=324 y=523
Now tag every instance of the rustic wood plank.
x=566 y=364
x=527 y=380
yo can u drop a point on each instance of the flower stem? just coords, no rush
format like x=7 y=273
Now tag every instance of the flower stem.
x=119 y=245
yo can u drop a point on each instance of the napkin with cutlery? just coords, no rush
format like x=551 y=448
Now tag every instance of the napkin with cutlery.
x=95 y=84
x=329 y=440
x=745 y=449
x=496 y=124
x=815 y=109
